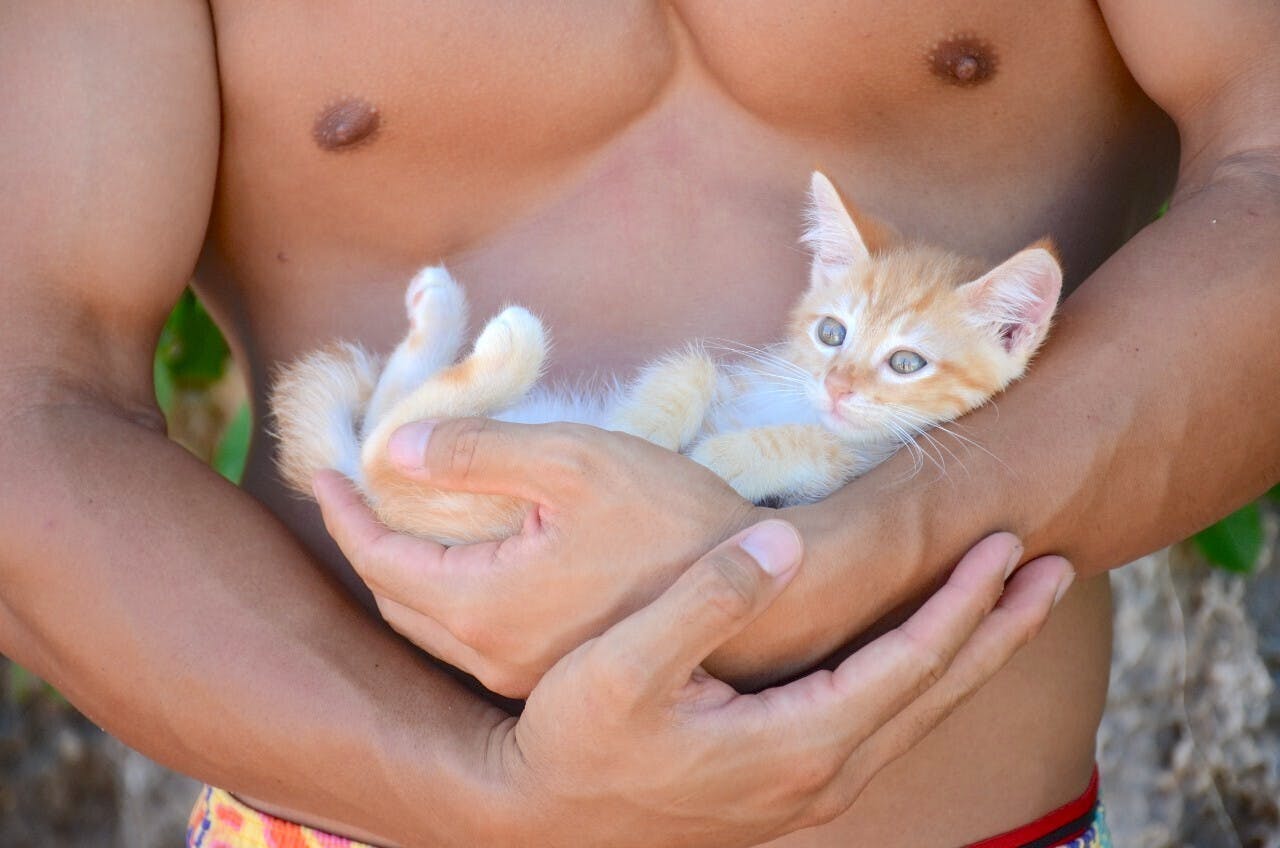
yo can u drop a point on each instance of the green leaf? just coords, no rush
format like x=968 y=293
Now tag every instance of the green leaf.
x=232 y=450
x=163 y=381
x=191 y=348
x=22 y=685
x=1235 y=542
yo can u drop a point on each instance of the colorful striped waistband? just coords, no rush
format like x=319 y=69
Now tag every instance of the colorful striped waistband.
x=220 y=820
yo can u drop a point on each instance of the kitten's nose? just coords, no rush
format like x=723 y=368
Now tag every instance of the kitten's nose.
x=839 y=386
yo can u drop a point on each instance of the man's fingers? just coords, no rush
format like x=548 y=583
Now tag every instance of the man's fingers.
x=485 y=456
x=878 y=681
x=346 y=516
x=390 y=563
x=437 y=640
x=1020 y=614
x=657 y=648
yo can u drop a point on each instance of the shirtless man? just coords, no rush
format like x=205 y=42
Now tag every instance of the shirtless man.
x=633 y=171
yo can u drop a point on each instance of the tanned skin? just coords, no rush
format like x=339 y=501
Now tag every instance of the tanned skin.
x=634 y=172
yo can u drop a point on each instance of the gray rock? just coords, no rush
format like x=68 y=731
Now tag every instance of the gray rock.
x=1190 y=744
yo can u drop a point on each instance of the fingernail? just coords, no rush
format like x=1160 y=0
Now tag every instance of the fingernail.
x=1015 y=557
x=775 y=545
x=1064 y=584
x=408 y=445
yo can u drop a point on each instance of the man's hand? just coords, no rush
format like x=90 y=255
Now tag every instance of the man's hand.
x=629 y=736
x=617 y=520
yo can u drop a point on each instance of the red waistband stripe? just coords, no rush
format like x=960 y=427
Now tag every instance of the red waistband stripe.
x=1064 y=824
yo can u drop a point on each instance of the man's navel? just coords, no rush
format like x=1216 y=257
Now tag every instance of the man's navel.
x=346 y=124
x=964 y=60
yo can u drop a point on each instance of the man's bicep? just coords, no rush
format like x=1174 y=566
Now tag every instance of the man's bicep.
x=1213 y=67
x=108 y=155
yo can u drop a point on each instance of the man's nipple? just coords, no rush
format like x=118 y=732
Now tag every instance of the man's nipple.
x=963 y=60
x=346 y=124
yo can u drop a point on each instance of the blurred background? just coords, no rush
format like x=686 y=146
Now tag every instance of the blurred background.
x=1189 y=748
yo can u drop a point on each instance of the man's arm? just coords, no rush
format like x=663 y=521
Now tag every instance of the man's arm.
x=165 y=603
x=1155 y=407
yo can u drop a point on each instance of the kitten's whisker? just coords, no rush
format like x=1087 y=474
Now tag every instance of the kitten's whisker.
x=941 y=447
x=763 y=356
x=920 y=436
x=917 y=455
x=765 y=369
x=907 y=437
x=770 y=366
x=923 y=432
x=967 y=441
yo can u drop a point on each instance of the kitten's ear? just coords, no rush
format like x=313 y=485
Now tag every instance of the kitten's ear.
x=832 y=236
x=1017 y=298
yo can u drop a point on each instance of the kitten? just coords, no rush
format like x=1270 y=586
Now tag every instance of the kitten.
x=884 y=344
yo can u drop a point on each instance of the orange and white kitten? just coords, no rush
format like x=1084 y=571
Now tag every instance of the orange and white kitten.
x=883 y=345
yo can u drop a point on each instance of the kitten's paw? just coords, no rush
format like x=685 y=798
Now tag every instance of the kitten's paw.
x=798 y=463
x=667 y=404
x=514 y=334
x=648 y=427
x=732 y=459
x=435 y=300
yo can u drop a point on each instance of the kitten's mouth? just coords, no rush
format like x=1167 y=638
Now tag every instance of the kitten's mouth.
x=839 y=420
x=843 y=423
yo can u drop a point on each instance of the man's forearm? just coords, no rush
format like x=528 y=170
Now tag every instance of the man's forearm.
x=177 y=612
x=1153 y=411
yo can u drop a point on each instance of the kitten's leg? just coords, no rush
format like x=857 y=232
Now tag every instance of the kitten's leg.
x=505 y=362
x=798 y=462
x=437 y=309
x=669 y=400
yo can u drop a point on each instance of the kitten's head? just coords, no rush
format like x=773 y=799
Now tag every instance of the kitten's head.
x=901 y=337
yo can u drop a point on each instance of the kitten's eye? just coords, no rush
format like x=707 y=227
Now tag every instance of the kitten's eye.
x=831 y=332
x=906 y=361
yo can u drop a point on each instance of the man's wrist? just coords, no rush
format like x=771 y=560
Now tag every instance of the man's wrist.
x=868 y=551
x=827 y=604
x=444 y=778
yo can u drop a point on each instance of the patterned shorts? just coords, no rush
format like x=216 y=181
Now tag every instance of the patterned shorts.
x=221 y=821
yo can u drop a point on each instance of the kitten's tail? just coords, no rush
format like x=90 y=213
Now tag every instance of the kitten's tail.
x=317 y=404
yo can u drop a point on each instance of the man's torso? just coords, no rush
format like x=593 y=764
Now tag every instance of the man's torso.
x=634 y=171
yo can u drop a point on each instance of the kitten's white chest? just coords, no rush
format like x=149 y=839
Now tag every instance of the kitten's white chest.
x=746 y=398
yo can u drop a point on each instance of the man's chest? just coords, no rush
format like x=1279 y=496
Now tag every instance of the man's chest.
x=575 y=140
x=549 y=75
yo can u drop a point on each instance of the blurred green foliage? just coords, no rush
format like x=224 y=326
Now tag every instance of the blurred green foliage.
x=20 y=685
x=1236 y=542
x=233 y=448
x=193 y=355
